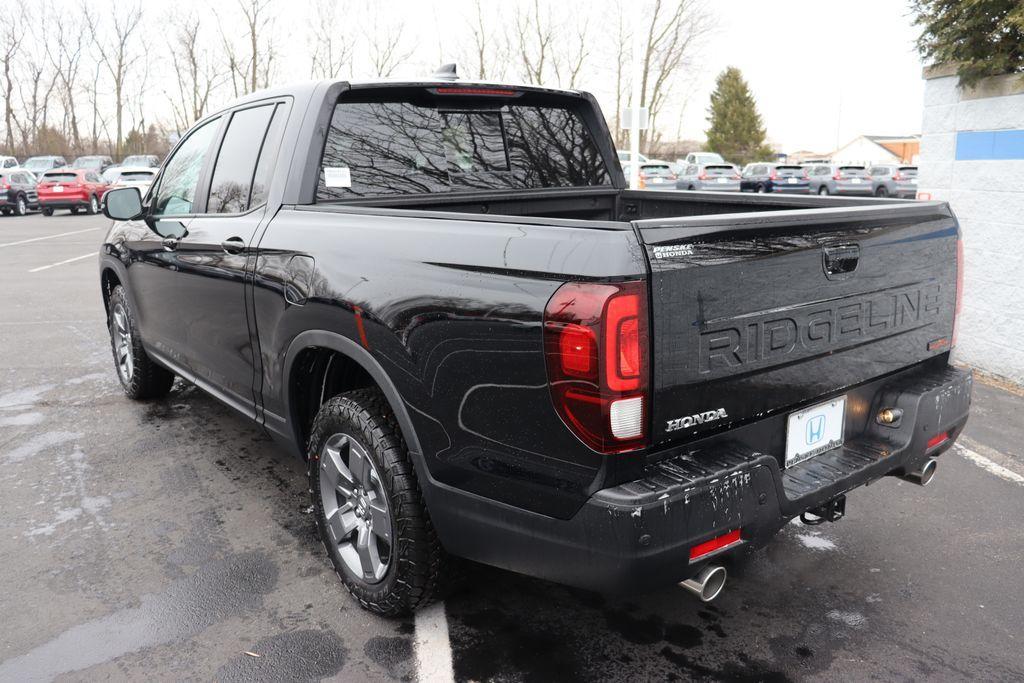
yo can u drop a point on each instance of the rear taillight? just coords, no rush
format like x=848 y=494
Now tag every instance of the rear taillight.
x=959 y=286
x=702 y=176
x=838 y=176
x=897 y=177
x=5 y=186
x=736 y=176
x=595 y=344
x=773 y=175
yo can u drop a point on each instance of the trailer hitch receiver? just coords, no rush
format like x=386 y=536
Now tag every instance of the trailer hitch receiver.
x=831 y=511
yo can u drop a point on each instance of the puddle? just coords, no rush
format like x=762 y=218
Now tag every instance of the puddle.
x=216 y=592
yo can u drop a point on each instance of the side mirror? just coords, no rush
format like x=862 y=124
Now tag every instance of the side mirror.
x=123 y=204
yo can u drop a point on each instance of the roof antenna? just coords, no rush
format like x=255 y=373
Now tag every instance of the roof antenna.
x=446 y=72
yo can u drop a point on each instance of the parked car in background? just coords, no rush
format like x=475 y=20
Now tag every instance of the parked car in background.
x=17 y=191
x=839 y=179
x=94 y=162
x=133 y=176
x=71 y=189
x=770 y=177
x=716 y=177
x=40 y=165
x=110 y=175
x=702 y=158
x=624 y=156
x=8 y=162
x=654 y=175
x=893 y=180
x=142 y=160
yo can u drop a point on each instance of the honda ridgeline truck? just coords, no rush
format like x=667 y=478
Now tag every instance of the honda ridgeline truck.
x=443 y=297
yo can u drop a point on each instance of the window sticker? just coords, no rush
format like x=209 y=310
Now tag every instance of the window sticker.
x=337 y=176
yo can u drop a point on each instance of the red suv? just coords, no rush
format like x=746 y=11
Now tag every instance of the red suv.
x=69 y=189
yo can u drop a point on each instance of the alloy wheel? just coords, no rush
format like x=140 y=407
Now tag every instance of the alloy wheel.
x=22 y=208
x=94 y=206
x=355 y=508
x=122 y=335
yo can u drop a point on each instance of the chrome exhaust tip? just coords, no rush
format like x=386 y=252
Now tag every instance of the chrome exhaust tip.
x=924 y=475
x=707 y=584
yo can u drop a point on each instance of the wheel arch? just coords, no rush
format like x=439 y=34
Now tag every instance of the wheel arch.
x=109 y=278
x=317 y=341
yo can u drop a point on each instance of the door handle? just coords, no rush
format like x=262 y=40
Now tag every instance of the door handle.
x=840 y=259
x=170 y=243
x=233 y=245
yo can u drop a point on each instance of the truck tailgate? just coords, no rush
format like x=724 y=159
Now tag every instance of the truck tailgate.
x=752 y=314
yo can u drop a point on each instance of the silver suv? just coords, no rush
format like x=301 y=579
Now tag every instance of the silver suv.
x=839 y=179
x=892 y=180
x=717 y=177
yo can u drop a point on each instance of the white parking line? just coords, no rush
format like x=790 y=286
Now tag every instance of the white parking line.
x=433 y=648
x=48 y=237
x=989 y=466
x=61 y=263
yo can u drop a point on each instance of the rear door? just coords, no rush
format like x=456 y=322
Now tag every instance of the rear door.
x=753 y=314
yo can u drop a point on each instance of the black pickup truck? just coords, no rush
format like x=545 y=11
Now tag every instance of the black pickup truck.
x=442 y=296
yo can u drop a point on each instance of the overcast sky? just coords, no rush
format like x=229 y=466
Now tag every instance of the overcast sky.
x=823 y=71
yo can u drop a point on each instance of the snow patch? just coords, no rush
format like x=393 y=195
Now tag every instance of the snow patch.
x=21 y=420
x=851 y=619
x=39 y=443
x=816 y=542
x=23 y=398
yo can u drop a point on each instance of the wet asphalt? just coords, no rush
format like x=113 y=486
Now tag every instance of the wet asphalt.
x=167 y=540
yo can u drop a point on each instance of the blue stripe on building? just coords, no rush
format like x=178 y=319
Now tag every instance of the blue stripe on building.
x=977 y=145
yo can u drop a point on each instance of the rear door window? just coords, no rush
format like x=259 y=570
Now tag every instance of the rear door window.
x=377 y=148
x=236 y=161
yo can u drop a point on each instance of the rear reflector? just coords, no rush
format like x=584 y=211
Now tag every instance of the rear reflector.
x=717 y=543
x=937 y=440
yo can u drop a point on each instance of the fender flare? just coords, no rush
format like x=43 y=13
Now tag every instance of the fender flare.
x=353 y=351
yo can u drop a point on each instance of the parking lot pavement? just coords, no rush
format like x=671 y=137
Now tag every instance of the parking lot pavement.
x=170 y=540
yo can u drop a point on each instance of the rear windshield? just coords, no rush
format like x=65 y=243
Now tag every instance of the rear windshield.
x=719 y=170
x=908 y=171
x=60 y=177
x=853 y=171
x=659 y=170
x=789 y=171
x=398 y=147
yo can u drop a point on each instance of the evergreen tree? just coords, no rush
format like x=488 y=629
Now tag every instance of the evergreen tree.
x=982 y=37
x=736 y=131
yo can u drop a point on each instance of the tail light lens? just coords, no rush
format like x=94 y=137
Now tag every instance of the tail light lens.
x=702 y=176
x=773 y=175
x=838 y=175
x=959 y=287
x=596 y=347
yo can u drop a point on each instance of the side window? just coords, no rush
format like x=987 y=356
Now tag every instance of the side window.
x=236 y=161
x=91 y=177
x=178 y=184
x=691 y=170
x=268 y=155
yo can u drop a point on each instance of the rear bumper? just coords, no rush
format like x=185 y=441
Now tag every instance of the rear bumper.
x=638 y=535
x=63 y=202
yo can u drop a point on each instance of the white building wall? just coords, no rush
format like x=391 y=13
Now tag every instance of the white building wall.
x=863 y=151
x=987 y=197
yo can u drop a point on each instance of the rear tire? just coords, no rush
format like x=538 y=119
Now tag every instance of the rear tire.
x=140 y=377
x=823 y=190
x=881 y=192
x=94 y=206
x=47 y=212
x=74 y=210
x=761 y=188
x=358 y=461
x=5 y=211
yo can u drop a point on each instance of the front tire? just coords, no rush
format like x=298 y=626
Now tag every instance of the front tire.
x=94 y=206
x=47 y=211
x=140 y=377
x=21 y=207
x=369 y=509
x=761 y=188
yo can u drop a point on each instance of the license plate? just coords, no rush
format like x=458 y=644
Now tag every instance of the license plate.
x=814 y=430
x=58 y=188
x=723 y=180
x=855 y=181
x=791 y=181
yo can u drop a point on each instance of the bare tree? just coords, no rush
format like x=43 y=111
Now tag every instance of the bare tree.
x=553 y=47
x=64 y=50
x=196 y=72
x=118 y=56
x=487 y=49
x=251 y=64
x=330 y=44
x=385 y=45
x=674 y=30
x=10 y=44
x=35 y=80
